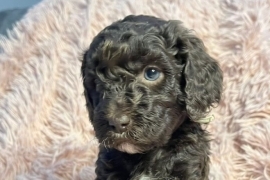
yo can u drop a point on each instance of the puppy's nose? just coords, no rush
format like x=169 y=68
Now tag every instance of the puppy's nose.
x=120 y=123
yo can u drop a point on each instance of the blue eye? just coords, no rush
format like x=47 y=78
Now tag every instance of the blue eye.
x=151 y=74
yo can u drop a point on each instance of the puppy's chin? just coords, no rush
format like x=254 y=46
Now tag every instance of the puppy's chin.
x=128 y=148
x=125 y=143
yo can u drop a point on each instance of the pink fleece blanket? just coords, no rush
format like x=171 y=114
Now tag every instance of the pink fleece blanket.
x=44 y=128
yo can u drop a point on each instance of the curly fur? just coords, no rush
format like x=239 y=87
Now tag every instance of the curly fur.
x=164 y=139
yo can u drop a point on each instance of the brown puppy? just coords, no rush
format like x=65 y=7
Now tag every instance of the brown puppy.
x=147 y=83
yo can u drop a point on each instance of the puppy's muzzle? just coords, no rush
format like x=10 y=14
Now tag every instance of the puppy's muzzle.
x=120 y=124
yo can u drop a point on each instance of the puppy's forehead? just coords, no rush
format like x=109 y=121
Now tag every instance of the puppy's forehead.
x=133 y=43
x=136 y=50
x=133 y=55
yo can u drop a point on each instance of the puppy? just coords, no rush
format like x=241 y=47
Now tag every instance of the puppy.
x=147 y=84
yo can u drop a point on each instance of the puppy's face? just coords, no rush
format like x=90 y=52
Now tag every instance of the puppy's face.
x=136 y=84
x=135 y=97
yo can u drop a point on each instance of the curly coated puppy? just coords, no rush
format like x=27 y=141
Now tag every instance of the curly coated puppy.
x=147 y=84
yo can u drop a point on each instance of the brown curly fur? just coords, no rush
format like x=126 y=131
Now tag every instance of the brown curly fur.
x=163 y=138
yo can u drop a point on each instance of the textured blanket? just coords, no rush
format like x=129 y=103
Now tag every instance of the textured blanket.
x=44 y=128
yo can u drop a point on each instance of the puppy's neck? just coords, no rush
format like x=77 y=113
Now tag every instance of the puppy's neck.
x=180 y=121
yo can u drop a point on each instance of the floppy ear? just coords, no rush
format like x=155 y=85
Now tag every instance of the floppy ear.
x=201 y=77
x=88 y=71
x=88 y=83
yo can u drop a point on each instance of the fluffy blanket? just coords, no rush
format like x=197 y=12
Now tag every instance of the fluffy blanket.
x=44 y=128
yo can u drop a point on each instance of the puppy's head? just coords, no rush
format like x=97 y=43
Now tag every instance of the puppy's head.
x=143 y=77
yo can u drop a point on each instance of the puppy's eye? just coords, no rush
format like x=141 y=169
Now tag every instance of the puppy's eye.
x=151 y=74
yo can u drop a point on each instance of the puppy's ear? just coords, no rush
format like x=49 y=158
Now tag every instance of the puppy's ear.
x=88 y=71
x=88 y=83
x=201 y=76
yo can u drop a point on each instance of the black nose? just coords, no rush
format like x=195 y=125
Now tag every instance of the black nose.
x=120 y=124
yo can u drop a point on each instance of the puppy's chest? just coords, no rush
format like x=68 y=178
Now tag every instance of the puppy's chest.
x=129 y=165
x=122 y=163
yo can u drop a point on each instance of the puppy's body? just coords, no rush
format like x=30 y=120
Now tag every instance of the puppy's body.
x=147 y=83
